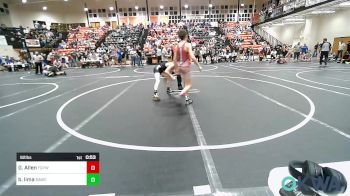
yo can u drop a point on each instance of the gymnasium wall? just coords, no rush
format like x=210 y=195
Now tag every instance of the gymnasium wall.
x=287 y=34
x=57 y=12
x=315 y=28
x=335 y=26
x=4 y=17
x=72 y=11
x=8 y=51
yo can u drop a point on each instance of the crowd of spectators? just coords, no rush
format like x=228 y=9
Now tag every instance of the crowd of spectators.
x=81 y=49
x=279 y=7
x=244 y=43
x=267 y=12
x=207 y=42
x=122 y=44
x=47 y=38
x=160 y=41
x=14 y=36
x=229 y=42
x=82 y=38
x=11 y=64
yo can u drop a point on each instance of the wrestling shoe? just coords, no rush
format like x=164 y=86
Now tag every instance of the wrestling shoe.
x=189 y=101
x=168 y=91
x=180 y=88
x=156 y=97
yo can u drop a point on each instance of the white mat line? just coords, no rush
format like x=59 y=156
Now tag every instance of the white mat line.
x=212 y=174
x=291 y=109
x=320 y=83
x=290 y=81
x=309 y=74
x=24 y=91
x=88 y=119
x=20 y=92
x=272 y=70
x=34 y=97
x=12 y=180
x=46 y=100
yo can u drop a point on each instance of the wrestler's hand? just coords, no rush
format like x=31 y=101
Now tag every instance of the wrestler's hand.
x=200 y=68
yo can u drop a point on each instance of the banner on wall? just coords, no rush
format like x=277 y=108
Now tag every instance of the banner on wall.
x=154 y=19
x=313 y=2
x=300 y=3
x=195 y=17
x=123 y=20
x=133 y=20
x=3 y=41
x=288 y=7
x=33 y=43
x=142 y=19
x=164 y=19
x=277 y=11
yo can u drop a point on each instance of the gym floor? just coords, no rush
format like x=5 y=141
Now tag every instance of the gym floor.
x=246 y=119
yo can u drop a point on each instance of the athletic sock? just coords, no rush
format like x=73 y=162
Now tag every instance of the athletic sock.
x=179 y=80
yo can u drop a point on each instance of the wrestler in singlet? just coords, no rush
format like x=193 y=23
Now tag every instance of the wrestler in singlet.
x=183 y=56
x=184 y=60
x=159 y=70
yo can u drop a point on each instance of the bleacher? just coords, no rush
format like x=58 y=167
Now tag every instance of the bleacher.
x=14 y=36
x=245 y=35
x=81 y=39
x=249 y=42
x=47 y=38
x=124 y=36
x=203 y=34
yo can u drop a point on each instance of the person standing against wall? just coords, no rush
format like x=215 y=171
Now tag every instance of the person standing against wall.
x=159 y=54
x=297 y=50
x=341 y=48
x=37 y=58
x=316 y=49
x=325 y=48
x=139 y=57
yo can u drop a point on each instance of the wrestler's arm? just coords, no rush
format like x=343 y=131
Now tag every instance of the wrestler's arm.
x=193 y=58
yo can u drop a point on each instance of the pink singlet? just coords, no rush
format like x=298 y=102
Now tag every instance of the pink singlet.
x=184 y=60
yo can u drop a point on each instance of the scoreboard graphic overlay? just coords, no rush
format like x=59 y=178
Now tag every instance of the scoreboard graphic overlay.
x=58 y=169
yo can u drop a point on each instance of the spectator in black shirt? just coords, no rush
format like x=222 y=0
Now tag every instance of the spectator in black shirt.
x=139 y=57
x=316 y=49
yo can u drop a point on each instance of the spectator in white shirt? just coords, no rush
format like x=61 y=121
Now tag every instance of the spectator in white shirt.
x=341 y=49
x=159 y=54
x=165 y=54
x=38 y=59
